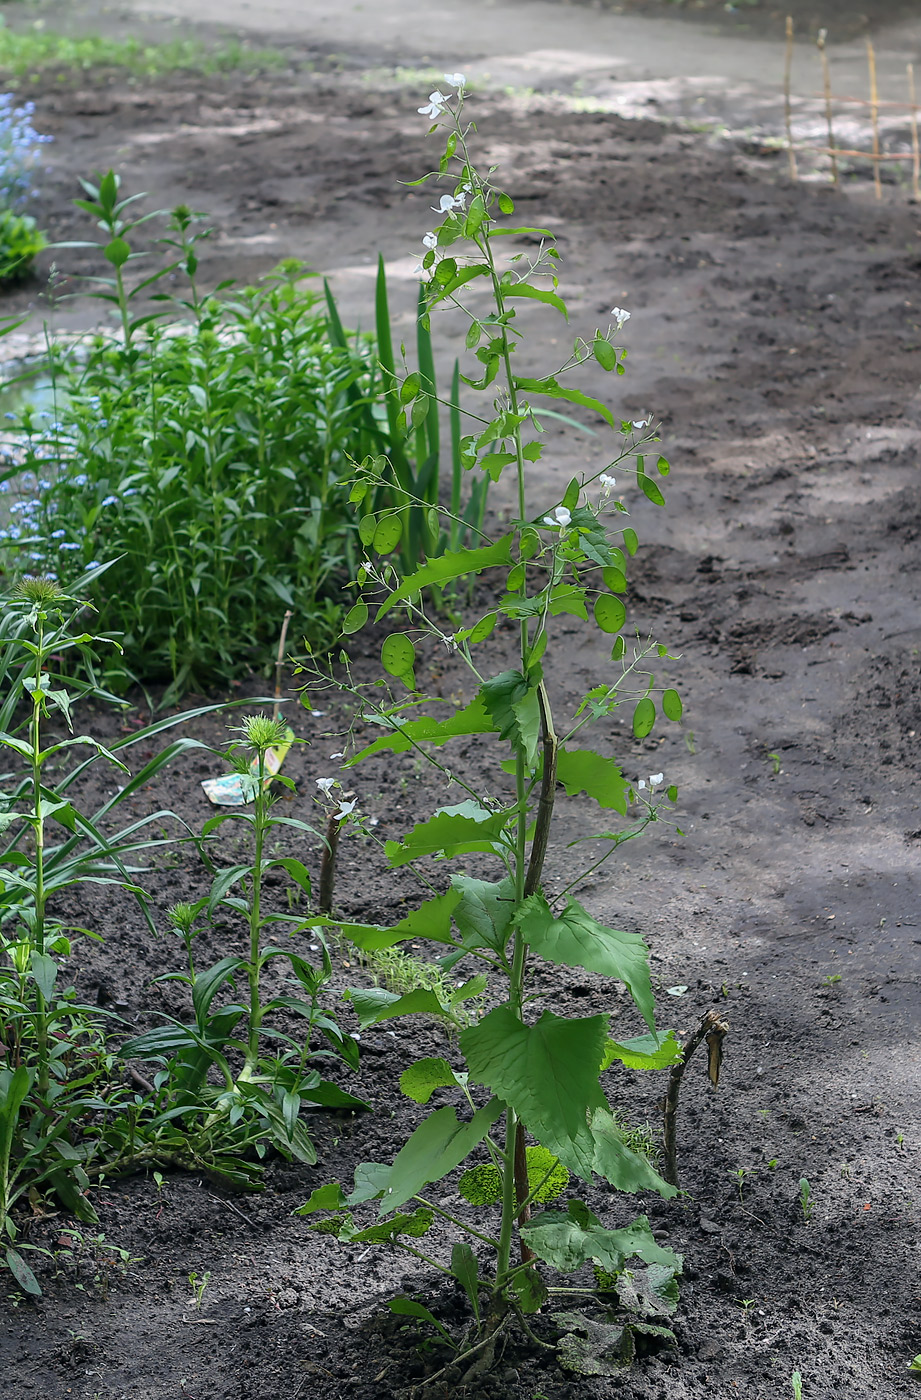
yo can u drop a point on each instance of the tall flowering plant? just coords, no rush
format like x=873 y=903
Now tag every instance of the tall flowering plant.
x=532 y=1085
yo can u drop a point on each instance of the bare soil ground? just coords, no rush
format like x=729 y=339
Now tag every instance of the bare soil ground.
x=776 y=329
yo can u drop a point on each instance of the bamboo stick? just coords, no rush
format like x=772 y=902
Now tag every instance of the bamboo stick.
x=788 y=118
x=826 y=84
x=874 y=117
x=857 y=155
x=915 y=148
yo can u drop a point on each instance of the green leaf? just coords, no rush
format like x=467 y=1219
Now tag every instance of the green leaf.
x=387 y=534
x=553 y=390
x=644 y=717
x=22 y=1273
x=567 y=1241
x=451 y=831
x=466 y=1270
x=375 y=1004
x=547 y=1072
x=397 y=658
x=671 y=704
x=420 y=1081
x=577 y=940
x=631 y=542
x=643 y=1052
x=484 y=911
x=472 y=719
x=506 y=204
x=355 y=618
x=44 y=972
x=418 y=1223
x=408 y=1307
x=437 y=1146
x=663 y=466
x=366 y=527
x=530 y=1290
x=512 y=702
x=610 y=613
x=649 y=489
x=524 y=289
x=327 y=1197
x=583 y=770
x=448 y=566
x=604 y=352
x=617 y=1163
x=615 y=580
x=432 y=920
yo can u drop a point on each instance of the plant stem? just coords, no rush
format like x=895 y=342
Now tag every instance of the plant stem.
x=255 y=919
x=37 y=932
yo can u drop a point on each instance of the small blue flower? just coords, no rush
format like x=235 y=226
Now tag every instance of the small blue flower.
x=11 y=417
x=81 y=480
x=58 y=534
x=109 y=501
x=68 y=546
x=93 y=564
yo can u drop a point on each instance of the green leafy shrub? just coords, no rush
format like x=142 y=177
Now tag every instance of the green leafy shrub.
x=207 y=459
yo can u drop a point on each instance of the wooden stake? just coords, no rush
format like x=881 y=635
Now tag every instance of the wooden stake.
x=874 y=117
x=788 y=118
x=826 y=83
x=915 y=148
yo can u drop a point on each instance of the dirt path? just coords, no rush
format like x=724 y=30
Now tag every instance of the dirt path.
x=776 y=330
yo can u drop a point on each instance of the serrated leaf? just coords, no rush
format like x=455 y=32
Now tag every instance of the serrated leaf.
x=328 y=1197
x=420 y=1081
x=450 y=565
x=511 y=700
x=643 y=1052
x=575 y=939
x=583 y=770
x=644 y=717
x=374 y=1004
x=547 y=1072
x=484 y=912
x=437 y=1146
x=472 y=719
x=567 y=1240
x=466 y=1270
x=414 y=1224
x=451 y=831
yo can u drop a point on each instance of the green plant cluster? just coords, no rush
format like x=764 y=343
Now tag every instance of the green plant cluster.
x=206 y=452
x=28 y=53
x=230 y=1080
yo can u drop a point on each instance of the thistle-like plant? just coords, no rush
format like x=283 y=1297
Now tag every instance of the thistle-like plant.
x=521 y=1069
x=219 y=1076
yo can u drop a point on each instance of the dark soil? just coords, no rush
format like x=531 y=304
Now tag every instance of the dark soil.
x=776 y=331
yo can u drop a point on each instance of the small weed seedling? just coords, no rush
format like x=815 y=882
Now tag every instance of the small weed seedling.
x=796 y=1381
x=914 y=1365
x=805 y=1199
x=198 y=1283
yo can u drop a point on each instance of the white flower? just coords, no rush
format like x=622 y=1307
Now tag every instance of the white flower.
x=641 y=784
x=620 y=316
x=326 y=785
x=429 y=240
x=639 y=424
x=455 y=79
x=434 y=106
x=449 y=202
x=345 y=808
x=608 y=482
x=337 y=755
x=656 y=779
x=561 y=516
